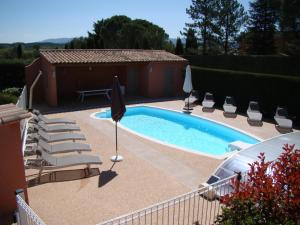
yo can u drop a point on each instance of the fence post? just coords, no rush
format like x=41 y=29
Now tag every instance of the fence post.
x=22 y=100
x=20 y=215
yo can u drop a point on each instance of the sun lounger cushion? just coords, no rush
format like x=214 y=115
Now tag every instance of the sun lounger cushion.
x=253 y=111
x=54 y=137
x=50 y=162
x=64 y=147
x=53 y=120
x=57 y=148
x=281 y=118
x=229 y=105
x=55 y=128
x=208 y=101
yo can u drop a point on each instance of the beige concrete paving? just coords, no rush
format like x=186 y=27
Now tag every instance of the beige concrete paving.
x=151 y=172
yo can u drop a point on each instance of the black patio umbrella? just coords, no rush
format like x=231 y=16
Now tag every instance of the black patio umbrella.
x=117 y=111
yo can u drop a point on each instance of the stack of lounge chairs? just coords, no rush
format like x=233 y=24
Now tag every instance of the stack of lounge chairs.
x=253 y=112
x=49 y=139
x=229 y=105
x=208 y=101
x=281 y=118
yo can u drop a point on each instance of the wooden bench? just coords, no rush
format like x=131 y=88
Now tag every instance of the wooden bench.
x=83 y=94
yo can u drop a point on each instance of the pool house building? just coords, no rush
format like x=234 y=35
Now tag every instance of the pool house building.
x=66 y=73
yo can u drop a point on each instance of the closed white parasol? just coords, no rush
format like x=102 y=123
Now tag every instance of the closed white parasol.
x=188 y=85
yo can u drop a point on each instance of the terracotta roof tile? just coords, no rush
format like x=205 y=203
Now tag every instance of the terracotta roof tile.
x=11 y=112
x=63 y=56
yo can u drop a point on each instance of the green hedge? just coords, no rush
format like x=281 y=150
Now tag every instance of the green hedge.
x=269 y=89
x=7 y=98
x=259 y=64
x=12 y=73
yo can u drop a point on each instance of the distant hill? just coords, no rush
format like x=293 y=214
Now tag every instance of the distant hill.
x=30 y=45
x=48 y=43
x=57 y=40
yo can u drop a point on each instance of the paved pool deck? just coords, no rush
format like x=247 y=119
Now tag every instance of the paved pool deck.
x=150 y=173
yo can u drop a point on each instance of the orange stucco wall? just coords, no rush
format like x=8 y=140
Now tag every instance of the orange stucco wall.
x=12 y=172
x=74 y=78
x=154 y=79
x=165 y=79
x=49 y=81
x=45 y=89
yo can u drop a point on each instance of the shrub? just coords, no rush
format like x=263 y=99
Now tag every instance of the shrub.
x=283 y=65
x=270 y=195
x=6 y=98
x=12 y=91
x=12 y=73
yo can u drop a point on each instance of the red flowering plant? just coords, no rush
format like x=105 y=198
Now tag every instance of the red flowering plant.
x=269 y=195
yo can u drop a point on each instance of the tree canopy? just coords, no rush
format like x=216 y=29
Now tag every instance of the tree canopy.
x=262 y=26
x=191 y=42
x=218 y=23
x=123 y=32
x=179 y=47
x=290 y=26
x=203 y=14
x=230 y=19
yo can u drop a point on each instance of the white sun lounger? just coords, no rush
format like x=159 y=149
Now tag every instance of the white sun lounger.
x=40 y=117
x=229 y=105
x=208 y=101
x=34 y=137
x=281 y=118
x=50 y=162
x=253 y=112
x=190 y=100
x=53 y=128
x=57 y=148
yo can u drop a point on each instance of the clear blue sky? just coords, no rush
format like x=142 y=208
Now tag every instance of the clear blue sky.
x=36 y=20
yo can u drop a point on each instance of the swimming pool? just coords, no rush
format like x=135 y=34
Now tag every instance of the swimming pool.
x=180 y=130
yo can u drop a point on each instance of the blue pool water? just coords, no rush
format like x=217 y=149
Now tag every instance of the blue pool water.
x=180 y=129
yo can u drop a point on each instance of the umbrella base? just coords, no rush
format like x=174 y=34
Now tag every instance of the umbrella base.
x=116 y=158
x=187 y=108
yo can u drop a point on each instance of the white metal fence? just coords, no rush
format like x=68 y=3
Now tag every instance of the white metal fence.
x=22 y=101
x=24 y=214
x=200 y=207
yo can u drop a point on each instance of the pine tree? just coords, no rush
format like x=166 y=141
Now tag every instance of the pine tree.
x=19 y=51
x=203 y=13
x=230 y=18
x=262 y=26
x=191 y=42
x=179 y=47
x=290 y=26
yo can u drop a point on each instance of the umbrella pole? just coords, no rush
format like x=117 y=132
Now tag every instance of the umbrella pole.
x=116 y=139
x=116 y=158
